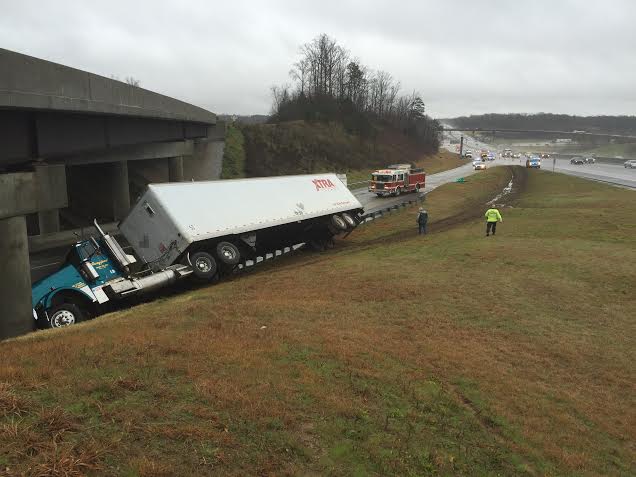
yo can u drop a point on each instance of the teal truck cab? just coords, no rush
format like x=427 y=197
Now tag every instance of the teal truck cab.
x=94 y=272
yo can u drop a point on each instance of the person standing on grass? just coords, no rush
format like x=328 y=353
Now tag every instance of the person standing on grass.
x=422 y=219
x=492 y=216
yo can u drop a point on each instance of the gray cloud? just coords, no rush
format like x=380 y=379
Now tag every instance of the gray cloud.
x=463 y=56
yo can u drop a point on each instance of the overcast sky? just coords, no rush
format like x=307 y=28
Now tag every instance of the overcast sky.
x=464 y=56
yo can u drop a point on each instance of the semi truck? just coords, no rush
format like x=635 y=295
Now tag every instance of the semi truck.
x=396 y=179
x=193 y=229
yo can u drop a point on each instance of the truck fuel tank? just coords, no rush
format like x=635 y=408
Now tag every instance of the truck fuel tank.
x=127 y=286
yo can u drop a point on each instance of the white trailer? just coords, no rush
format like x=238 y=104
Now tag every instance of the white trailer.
x=214 y=225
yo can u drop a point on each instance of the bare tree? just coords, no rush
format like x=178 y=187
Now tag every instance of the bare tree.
x=132 y=81
x=329 y=84
x=280 y=96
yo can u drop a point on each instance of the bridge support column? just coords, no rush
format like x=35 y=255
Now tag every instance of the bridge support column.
x=120 y=190
x=175 y=169
x=51 y=180
x=49 y=221
x=16 y=317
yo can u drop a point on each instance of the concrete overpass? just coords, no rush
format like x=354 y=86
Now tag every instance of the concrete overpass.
x=75 y=145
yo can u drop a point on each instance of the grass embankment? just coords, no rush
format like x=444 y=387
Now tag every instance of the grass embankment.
x=392 y=354
x=300 y=147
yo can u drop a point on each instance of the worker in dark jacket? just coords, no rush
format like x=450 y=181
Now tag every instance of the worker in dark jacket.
x=422 y=219
x=492 y=216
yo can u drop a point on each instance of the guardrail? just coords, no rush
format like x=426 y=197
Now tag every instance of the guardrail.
x=421 y=197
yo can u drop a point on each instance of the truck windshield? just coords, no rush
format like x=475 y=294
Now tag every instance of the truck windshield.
x=381 y=178
x=85 y=249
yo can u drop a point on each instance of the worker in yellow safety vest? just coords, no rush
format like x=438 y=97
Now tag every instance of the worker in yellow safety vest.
x=492 y=216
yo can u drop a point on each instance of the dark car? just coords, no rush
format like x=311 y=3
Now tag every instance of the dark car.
x=577 y=160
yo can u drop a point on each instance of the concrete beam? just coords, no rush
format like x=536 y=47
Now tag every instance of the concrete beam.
x=133 y=153
x=51 y=186
x=121 y=190
x=17 y=194
x=49 y=221
x=31 y=83
x=27 y=192
x=175 y=169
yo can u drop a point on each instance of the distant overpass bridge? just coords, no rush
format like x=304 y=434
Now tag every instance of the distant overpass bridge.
x=541 y=131
x=75 y=145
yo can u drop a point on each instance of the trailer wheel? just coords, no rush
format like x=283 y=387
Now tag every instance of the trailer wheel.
x=337 y=224
x=228 y=253
x=379 y=195
x=351 y=222
x=66 y=314
x=203 y=265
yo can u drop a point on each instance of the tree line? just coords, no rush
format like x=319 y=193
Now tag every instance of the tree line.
x=328 y=84
x=553 y=122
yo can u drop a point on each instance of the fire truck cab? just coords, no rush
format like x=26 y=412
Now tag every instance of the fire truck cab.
x=397 y=179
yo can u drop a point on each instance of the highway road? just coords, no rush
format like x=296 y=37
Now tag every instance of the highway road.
x=373 y=203
x=615 y=174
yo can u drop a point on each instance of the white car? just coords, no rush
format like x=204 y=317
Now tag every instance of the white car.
x=631 y=164
x=479 y=165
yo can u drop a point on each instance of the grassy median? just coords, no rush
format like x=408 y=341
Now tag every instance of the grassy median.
x=392 y=354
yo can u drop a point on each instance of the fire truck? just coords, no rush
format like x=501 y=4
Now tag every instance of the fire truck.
x=396 y=179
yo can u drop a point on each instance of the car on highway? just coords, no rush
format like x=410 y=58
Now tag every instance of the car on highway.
x=468 y=155
x=516 y=155
x=590 y=160
x=533 y=162
x=631 y=164
x=577 y=161
x=478 y=165
x=490 y=156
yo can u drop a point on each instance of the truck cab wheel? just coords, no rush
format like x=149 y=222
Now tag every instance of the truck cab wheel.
x=203 y=265
x=66 y=314
x=398 y=191
x=228 y=253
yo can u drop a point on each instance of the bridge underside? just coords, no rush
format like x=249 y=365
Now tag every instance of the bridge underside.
x=75 y=146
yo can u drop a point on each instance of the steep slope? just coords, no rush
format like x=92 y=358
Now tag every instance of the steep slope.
x=298 y=147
